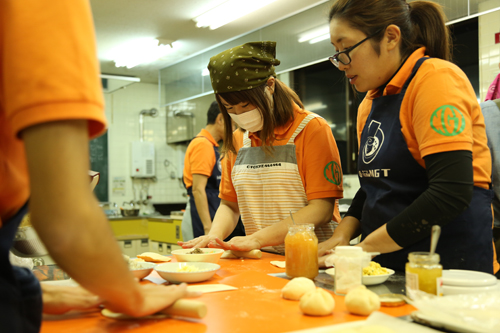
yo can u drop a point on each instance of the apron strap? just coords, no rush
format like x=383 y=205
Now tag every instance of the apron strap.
x=302 y=124
x=246 y=140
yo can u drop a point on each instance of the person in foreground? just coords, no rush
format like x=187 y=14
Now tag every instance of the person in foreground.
x=202 y=175
x=50 y=105
x=284 y=159
x=423 y=154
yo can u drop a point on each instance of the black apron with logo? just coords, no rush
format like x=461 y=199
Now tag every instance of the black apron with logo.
x=392 y=180
x=20 y=293
x=212 y=191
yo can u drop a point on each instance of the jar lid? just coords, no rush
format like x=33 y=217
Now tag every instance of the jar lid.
x=392 y=300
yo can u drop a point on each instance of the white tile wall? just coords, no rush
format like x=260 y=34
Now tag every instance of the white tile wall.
x=489 y=52
x=122 y=110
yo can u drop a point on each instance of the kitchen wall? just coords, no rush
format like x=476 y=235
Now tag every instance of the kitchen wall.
x=122 y=110
x=489 y=52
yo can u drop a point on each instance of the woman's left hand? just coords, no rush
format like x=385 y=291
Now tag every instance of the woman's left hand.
x=246 y=243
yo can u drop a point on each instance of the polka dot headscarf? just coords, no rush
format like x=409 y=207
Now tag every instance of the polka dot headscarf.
x=243 y=67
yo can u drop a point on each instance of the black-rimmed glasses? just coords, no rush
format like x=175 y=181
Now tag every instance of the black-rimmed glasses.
x=343 y=56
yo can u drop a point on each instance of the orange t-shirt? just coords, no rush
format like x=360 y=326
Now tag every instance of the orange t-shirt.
x=315 y=149
x=49 y=72
x=200 y=157
x=439 y=113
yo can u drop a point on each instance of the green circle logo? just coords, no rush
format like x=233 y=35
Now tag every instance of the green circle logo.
x=447 y=120
x=333 y=173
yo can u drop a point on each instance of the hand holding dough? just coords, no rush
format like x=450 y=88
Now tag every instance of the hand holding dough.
x=232 y=254
x=362 y=301
x=296 y=288
x=182 y=307
x=317 y=302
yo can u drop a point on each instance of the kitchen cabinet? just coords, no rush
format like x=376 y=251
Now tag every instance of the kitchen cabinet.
x=164 y=233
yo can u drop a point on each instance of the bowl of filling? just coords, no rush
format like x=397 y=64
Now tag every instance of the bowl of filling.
x=139 y=267
x=198 y=255
x=372 y=275
x=189 y=272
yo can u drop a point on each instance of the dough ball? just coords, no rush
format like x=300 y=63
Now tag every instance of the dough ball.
x=362 y=301
x=296 y=288
x=317 y=302
x=375 y=329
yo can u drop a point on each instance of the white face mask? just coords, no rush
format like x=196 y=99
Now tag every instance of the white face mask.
x=252 y=120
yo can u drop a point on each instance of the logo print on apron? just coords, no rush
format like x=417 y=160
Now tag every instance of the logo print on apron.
x=373 y=143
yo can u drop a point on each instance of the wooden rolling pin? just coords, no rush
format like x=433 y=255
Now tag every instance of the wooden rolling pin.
x=187 y=308
x=181 y=308
x=231 y=254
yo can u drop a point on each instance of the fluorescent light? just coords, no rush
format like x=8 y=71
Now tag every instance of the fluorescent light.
x=227 y=12
x=120 y=77
x=205 y=72
x=140 y=51
x=315 y=106
x=319 y=39
x=315 y=35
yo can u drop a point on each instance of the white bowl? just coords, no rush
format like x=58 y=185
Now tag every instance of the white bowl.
x=170 y=271
x=145 y=269
x=368 y=280
x=208 y=255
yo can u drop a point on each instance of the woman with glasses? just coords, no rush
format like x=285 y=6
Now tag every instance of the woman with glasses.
x=423 y=156
x=282 y=160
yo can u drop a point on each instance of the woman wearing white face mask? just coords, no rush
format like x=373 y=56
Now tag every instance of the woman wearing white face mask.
x=283 y=158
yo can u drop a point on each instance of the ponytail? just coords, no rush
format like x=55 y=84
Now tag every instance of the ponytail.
x=422 y=23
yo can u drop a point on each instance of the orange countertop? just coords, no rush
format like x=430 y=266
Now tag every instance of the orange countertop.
x=256 y=305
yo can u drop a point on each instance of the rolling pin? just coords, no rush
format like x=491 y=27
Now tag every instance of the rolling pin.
x=231 y=254
x=181 y=308
x=187 y=308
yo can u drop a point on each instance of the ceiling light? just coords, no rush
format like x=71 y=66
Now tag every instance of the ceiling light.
x=315 y=35
x=315 y=106
x=141 y=51
x=227 y=12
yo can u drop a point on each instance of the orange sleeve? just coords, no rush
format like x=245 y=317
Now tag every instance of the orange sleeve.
x=202 y=157
x=441 y=101
x=319 y=160
x=50 y=65
x=226 y=188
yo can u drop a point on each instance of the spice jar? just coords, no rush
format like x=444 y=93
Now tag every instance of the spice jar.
x=424 y=272
x=301 y=251
x=349 y=262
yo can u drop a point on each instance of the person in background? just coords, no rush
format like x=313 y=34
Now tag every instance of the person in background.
x=51 y=103
x=491 y=113
x=202 y=175
x=423 y=155
x=283 y=159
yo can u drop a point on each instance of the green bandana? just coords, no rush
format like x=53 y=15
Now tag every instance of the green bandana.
x=243 y=67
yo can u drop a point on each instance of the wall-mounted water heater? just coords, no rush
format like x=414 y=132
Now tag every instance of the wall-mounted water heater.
x=143 y=159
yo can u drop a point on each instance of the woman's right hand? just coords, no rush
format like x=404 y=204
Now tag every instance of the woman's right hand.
x=200 y=242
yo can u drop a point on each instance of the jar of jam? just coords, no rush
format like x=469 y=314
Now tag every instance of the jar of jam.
x=424 y=272
x=301 y=251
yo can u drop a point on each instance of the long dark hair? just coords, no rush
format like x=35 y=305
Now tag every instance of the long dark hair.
x=282 y=112
x=422 y=23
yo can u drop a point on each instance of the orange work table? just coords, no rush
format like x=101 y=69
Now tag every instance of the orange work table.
x=256 y=306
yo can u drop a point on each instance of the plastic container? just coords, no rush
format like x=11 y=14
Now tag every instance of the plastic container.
x=424 y=272
x=349 y=262
x=301 y=251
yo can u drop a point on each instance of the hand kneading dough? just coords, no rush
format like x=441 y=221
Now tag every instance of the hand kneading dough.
x=297 y=287
x=362 y=301
x=317 y=303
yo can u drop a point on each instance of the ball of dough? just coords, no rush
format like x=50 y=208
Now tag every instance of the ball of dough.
x=362 y=301
x=297 y=287
x=317 y=302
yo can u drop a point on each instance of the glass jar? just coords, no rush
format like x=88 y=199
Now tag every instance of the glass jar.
x=301 y=251
x=424 y=272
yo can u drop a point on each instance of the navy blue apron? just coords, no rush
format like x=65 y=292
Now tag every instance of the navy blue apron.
x=392 y=180
x=20 y=293
x=212 y=191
